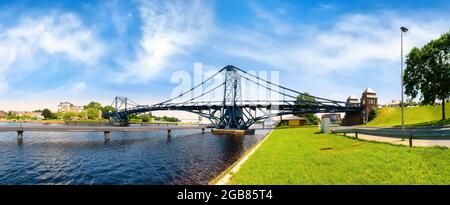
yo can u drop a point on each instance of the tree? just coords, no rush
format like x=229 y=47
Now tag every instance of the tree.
x=305 y=101
x=373 y=114
x=145 y=117
x=68 y=116
x=11 y=115
x=93 y=104
x=108 y=108
x=428 y=72
x=48 y=114
x=82 y=115
x=92 y=113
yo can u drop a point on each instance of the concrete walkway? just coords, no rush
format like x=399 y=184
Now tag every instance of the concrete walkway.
x=396 y=140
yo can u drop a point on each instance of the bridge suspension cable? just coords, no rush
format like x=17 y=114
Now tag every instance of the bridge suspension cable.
x=193 y=88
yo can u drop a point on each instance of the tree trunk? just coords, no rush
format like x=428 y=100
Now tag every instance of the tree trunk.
x=443 y=109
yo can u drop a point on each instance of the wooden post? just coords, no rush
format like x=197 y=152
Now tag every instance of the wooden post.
x=169 y=133
x=356 y=135
x=410 y=139
x=19 y=136
x=203 y=130
x=107 y=135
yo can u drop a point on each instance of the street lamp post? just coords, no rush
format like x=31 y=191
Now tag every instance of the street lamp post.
x=402 y=30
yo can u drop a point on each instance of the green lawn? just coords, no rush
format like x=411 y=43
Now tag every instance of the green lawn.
x=414 y=116
x=303 y=156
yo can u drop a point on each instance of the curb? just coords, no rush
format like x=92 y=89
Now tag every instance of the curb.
x=225 y=176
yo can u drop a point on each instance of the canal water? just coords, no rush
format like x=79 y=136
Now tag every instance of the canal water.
x=188 y=157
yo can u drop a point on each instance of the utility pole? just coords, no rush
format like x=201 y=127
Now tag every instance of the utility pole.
x=402 y=30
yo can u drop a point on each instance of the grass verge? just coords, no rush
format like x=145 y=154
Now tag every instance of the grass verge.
x=303 y=156
x=414 y=116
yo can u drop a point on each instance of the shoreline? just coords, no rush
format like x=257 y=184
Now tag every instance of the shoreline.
x=224 y=177
x=85 y=122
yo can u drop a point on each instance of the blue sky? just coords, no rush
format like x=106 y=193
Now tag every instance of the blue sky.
x=78 y=51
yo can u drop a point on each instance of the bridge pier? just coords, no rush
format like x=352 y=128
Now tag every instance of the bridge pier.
x=19 y=136
x=107 y=136
x=233 y=131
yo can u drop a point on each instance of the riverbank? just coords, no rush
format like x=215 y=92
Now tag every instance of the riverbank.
x=225 y=176
x=304 y=156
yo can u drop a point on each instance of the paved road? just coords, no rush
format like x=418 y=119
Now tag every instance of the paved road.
x=423 y=136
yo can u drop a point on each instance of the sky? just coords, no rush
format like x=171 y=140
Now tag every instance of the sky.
x=82 y=51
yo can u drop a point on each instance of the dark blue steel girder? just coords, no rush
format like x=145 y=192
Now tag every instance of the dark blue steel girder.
x=210 y=111
x=233 y=112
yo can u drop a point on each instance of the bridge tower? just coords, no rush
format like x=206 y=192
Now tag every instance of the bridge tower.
x=231 y=116
x=120 y=114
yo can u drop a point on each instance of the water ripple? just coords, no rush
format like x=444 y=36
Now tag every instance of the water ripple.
x=129 y=158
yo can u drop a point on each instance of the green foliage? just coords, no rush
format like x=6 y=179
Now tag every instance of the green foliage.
x=92 y=113
x=107 y=109
x=68 y=116
x=48 y=115
x=11 y=115
x=303 y=156
x=93 y=104
x=165 y=118
x=82 y=115
x=170 y=119
x=373 y=114
x=59 y=115
x=428 y=72
x=307 y=100
x=145 y=117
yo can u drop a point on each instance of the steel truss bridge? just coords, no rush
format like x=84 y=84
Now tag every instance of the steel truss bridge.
x=232 y=111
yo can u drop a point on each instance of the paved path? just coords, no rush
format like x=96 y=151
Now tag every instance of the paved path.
x=397 y=140
x=422 y=136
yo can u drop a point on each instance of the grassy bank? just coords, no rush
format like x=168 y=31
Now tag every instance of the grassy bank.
x=302 y=156
x=414 y=116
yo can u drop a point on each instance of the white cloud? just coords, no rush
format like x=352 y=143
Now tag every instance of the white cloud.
x=354 y=42
x=169 y=28
x=78 y=87
x=36 y=41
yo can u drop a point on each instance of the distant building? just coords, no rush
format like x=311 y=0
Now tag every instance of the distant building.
x=393 y=103
x=37 y=115
x=293 y=121
x=3 y=114
x=369 y=100
x=352 y=101
x=69 y=107
x=334 y=117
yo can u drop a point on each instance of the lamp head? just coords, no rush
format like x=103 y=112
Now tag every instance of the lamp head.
x=404 y=29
